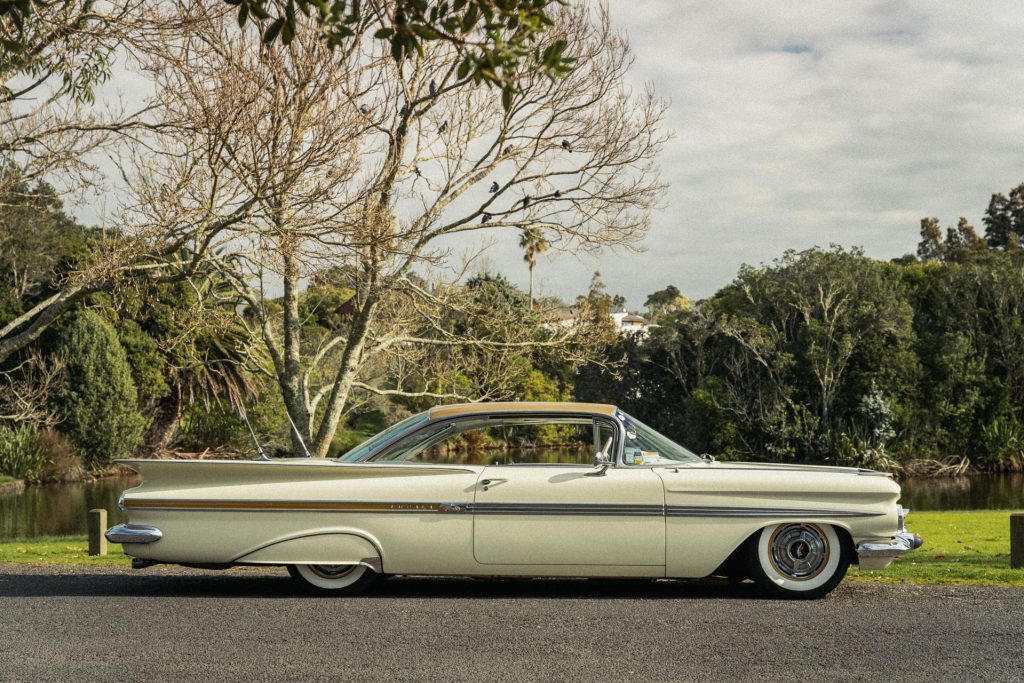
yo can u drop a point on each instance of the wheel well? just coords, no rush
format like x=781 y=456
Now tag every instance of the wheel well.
x=736 y=563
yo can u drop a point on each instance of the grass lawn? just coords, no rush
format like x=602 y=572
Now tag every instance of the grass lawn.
x=59 y=550
x=970 y=548
x=4 y=479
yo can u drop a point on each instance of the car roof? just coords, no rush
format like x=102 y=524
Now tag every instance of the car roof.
x=519 y=407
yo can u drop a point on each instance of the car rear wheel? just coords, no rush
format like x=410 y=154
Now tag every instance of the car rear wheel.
x=344 y=579
x=804 y=561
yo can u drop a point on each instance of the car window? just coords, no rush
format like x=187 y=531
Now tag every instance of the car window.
x=374 y=443
x=645 y=446
x=525 y=442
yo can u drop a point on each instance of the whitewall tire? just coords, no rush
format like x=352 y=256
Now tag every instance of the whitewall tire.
x=798 y=560
x=339 y=578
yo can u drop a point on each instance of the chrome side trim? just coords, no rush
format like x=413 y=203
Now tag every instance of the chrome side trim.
x=725 y=511
x=286 y=505
x=613 y=509
x=133 y=533
x=568 y=509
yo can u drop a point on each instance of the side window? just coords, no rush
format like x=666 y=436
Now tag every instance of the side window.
x=512 y=442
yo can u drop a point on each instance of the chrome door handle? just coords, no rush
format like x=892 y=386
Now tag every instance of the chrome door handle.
x=486 y=483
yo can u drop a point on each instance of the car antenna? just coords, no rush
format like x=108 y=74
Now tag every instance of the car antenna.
x=299 y=436
x=245 y=418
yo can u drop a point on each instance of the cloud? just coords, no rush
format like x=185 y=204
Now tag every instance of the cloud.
x=807 y=123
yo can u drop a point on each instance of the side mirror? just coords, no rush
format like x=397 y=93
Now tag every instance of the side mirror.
x=602 y=463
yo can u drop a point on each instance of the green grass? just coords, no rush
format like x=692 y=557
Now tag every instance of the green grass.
x=59 y=550
x=4 y=479
x=966 y=548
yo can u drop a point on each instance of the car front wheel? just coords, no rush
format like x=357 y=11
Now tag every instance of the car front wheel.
x=343 y=579
x=797 y=560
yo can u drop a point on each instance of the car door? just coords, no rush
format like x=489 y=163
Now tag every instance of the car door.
x=544 y=514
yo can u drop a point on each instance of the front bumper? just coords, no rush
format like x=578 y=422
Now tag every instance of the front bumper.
x=133 y=533
x=879 y=554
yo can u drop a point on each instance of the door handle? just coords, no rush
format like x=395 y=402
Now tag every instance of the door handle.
x=487 y=483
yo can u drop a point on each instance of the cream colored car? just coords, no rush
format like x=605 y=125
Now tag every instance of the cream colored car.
x=517 y=489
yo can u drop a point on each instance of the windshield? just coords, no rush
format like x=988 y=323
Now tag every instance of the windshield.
x=364 y=449
x=644 y=446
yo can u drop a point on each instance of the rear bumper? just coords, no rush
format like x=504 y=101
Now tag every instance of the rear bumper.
x=133 y=533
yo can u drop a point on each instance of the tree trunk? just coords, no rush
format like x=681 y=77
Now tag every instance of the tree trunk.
x=350 y=362
x=531 y=286
x=165 y=424
x=291 y=380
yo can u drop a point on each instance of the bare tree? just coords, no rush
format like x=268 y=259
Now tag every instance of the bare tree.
x=27 y=390
x=49 y=69
x=376 y=169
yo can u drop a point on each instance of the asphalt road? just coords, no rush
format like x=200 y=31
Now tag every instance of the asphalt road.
x=166 y=624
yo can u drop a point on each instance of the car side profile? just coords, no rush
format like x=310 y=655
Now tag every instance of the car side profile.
x=517 y=489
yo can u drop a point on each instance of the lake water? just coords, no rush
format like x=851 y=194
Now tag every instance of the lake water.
x=61 y=508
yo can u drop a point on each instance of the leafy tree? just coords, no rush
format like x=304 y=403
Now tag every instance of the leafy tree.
x=1004 y=219
x=959 y=243
x=668 y=300
x=39 y=243
x=98 y=401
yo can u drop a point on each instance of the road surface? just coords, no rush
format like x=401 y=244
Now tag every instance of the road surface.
x=169 y=624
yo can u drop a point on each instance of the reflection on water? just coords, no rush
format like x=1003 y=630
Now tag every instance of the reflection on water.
x=57 y=509
x=979 y=492
x=543 y=455
x=61 y=508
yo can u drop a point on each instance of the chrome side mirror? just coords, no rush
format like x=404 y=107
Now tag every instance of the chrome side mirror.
x=602 y=463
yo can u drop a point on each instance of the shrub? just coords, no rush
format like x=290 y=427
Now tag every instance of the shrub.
x=1002 y=440
x=98 y=401
x=62 y=462
x=214 y=426
x=20 y=454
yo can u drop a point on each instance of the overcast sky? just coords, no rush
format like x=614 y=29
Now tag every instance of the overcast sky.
x=802 y=123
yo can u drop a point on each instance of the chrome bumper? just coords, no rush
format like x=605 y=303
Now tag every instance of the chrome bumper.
x=133 y=533
x=879 y=554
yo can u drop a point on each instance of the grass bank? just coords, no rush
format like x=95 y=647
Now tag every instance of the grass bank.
x=5 y=479
x=966 y=548
x=59 y=550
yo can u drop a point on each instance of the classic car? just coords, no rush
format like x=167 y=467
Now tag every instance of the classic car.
x=517 y=489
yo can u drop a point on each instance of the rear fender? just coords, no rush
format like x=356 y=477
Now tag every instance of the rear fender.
x=316 y=548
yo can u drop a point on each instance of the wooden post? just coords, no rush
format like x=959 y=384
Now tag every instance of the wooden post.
x=97 y=525
x=1017 y=540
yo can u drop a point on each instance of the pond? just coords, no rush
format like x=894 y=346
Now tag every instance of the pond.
x=61 y=508
x=978 y=492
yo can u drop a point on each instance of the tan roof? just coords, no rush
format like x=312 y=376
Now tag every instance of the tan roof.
x=519 y=407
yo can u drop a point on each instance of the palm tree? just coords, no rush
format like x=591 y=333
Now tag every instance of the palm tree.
x=533 y=242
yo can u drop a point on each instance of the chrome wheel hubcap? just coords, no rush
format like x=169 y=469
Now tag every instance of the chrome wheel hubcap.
x=799 y=551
